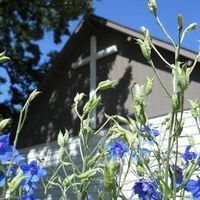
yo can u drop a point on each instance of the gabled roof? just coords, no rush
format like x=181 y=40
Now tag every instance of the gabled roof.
x=125 y=30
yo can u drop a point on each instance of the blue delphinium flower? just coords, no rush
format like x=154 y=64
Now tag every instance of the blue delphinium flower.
x=187 y=155
x=146 y=190
x=178 y=174
x=117 y=149
x=7 y=151
x=140 y=153
x=150 y=130
x=29 y=196
x=193 y=186
x=2 y=179
x=33 y=173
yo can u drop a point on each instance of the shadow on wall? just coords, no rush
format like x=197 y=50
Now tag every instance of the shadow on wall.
x=52 y=110
x=114 y=99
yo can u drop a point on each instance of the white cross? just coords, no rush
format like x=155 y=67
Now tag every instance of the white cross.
x=92 y=59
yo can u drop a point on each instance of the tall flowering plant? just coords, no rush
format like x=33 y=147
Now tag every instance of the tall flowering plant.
x=134 y=147
x=130 y=153
x=18 y=179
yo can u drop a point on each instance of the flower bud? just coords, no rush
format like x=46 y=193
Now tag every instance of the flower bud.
x=15 y=182
x=121 y=119
x=195 y=108
x=109 y=176
x=104 y=85
x=62 y=139
x=191 y=27
x=152 y=6
x=146 y=33
x=183 y=77
x=139 y=94
x=140 y=169
x=91 y=104
x=88 y=174
x=180 y=21
x=140 y=114
x=149 y=86
x=145 y=48
x=78 y=97
x=176 y=102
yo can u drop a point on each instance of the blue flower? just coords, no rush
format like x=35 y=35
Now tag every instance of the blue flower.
x=178 y=174
x=146 y=190
x=187 y=155
x=7 y=150
x=2 y=179
x=33 y=173
x=117 y=149
x=150 y=130
x=29 y=196
x=140 y=153
x=193 y=186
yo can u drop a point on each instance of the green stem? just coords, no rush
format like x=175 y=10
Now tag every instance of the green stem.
x=165 y=32
x=158 y=77
x=194 y=64
x=163 y=59
x=169 y=149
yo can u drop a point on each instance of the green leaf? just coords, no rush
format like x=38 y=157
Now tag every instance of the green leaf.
x=104 y=85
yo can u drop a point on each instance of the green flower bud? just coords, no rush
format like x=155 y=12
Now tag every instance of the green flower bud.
x=140 y=114
x=132 y=125
x=145 y=48
x=15 y=182
x=140 y=170
x=95 y=158
x=62 y=139
x=180 y=21
x=191 y=27
x=91 y=104
x=176 y=102
x=121 y=119
x=4 y=123
x=149 y=86
x=195 y=108
x=88 y=174
x=104 y=85
x=152 y=6
x=78 y=97
x=138 y=93
x=183 y=77
x=130 y=138
x=109 y=176
x=87 y=130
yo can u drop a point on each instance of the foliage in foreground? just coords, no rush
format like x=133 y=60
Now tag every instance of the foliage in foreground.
x=130 y=147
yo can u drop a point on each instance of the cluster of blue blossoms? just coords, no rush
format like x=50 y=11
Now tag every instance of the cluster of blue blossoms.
x=32 y=172
x=147 y=189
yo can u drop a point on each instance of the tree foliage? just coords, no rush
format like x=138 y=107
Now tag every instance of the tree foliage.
x=22 y=25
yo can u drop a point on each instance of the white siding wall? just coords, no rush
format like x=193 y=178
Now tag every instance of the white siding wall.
x=50 y=153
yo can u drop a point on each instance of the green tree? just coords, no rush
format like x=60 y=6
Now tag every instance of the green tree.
x=22 y=24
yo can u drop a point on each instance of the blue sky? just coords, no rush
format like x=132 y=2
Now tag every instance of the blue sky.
x=134 y=14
